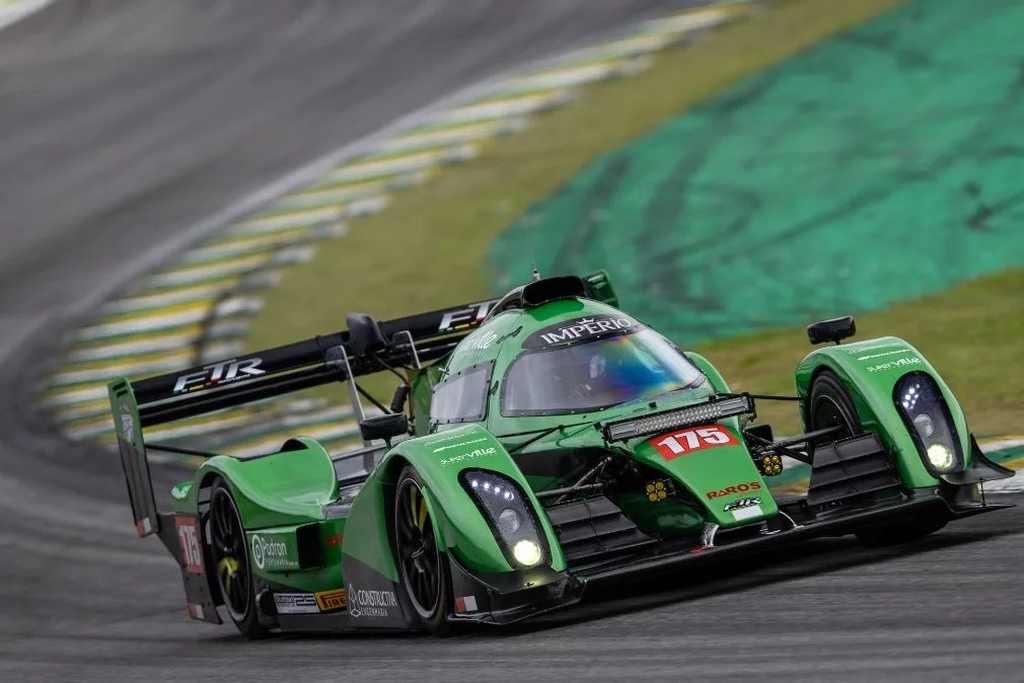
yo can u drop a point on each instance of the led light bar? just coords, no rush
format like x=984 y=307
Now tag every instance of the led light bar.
x=714 y=409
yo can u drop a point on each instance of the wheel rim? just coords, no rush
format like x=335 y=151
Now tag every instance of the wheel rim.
x=828 y=413
x=418 y=554
x=229 y=557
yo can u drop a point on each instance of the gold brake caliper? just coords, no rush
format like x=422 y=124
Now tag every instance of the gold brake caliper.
x=228 y=570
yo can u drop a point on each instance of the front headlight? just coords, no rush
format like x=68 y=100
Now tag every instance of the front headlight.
x=929 y=422
x=527 y=553
x=940 y=457
x=509 y=515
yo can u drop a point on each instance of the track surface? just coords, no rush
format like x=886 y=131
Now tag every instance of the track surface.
x=125 y=123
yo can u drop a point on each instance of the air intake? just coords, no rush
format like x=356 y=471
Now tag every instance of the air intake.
x=552 y=288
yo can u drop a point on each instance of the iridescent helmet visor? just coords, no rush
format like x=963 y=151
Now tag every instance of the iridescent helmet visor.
x=596 y=374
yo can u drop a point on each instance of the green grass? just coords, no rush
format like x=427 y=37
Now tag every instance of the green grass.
x=427 y=249
x=971 y=333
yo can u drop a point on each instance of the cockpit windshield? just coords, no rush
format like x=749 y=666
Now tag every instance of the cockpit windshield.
x=595 y=374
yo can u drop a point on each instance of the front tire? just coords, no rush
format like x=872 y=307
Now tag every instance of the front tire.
x=830 y=405
x=230 y=554
x=422 y=567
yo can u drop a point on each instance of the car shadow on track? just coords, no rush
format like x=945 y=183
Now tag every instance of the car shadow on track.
x=789 y=563
x=770 y=567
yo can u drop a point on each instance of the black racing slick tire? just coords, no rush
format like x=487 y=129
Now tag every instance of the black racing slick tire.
x=422 y=566
x=231 y=563
x=830 y=405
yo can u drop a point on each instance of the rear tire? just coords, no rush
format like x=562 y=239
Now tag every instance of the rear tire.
x=230 y=553
x=422 y=567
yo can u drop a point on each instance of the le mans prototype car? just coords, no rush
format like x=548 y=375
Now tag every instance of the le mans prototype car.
x=536 y=445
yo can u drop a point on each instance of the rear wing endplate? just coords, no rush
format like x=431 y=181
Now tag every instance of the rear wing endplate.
x=128 y=428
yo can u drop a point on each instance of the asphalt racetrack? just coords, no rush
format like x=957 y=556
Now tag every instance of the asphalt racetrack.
x=124 y=125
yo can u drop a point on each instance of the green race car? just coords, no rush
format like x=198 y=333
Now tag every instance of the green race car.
x=536 y=445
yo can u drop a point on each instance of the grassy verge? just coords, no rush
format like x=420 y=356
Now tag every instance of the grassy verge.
x=970 y=333
x=427 y=249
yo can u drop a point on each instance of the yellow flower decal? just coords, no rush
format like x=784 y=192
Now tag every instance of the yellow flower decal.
x=656 y=491
x=771 y=465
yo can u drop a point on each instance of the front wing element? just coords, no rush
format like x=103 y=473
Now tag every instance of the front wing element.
x=919 y=504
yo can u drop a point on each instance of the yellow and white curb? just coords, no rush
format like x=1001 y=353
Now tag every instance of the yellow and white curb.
x=13 y=10
x=197 y=307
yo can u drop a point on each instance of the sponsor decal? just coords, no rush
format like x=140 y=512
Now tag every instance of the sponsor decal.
x=479 y=341
x=219 y=373
x=188 y=539
x=461 y=444
x=127 y=428
x=692 y=439
x=747 y=513
x=296 y=603
x=484 y=339
x=271 y=553
x=885 y=353
x=861 y=347
x=195 y=611
x=581 y=330
x=329 y=601
x=370 y=603
x=733 y=490
x=742 y=503
x=473 y=314
x=466 y=604
x=472 y=455
x=895 y=364
x=143 y=526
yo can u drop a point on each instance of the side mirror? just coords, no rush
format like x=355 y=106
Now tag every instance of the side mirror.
x=831 y=330
x=364 y=334
x=384 y=427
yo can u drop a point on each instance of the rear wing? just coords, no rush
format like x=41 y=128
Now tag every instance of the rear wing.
x=366 y=347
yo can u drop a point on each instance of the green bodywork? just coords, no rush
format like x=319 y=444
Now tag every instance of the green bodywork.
x=280 y=495
x=869 y=370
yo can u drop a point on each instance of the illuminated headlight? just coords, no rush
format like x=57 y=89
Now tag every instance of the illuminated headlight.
x=700 y=413
x=940 y=457
x=527 y=553
x=508 y=513
x=924 y=411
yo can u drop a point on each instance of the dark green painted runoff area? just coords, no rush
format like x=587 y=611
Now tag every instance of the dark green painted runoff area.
x=884 y=164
